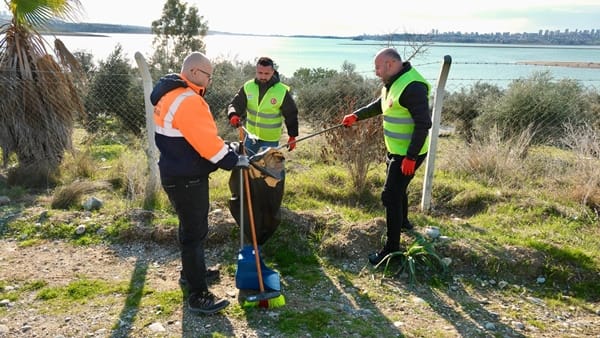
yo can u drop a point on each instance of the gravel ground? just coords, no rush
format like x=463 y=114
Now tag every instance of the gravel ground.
x=359 y=300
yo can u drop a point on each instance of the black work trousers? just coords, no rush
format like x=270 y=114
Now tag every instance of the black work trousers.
x=395 y=198
x=190 y=199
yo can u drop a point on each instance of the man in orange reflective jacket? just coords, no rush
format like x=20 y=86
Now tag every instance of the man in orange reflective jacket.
x=190 y=149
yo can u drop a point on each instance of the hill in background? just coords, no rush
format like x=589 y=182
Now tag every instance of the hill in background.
x=542 y=37
x=58 y=26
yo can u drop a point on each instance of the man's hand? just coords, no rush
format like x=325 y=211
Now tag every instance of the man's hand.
x=234 y=121
x=235 y=146
x=408 y=166
x=349 y=120
x=291 y=143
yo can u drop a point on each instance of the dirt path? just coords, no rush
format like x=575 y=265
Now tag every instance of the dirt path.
x=393 y=308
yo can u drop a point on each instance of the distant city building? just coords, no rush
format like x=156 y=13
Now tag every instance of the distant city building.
x=546 y=37
x=542 y=37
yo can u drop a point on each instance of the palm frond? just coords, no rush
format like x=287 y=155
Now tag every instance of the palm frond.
x=66 y=58
x=37 y=14
x=22 y=48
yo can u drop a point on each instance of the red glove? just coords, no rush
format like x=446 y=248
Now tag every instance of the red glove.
x=234 y=121
x=349 y=120
x=408 y=166
x=291 y=143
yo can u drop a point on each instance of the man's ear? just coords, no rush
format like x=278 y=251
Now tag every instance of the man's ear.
x=202 y=91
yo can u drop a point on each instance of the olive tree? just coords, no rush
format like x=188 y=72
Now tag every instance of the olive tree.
x=178 y=32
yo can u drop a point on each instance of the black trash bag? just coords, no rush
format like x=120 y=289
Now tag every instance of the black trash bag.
x=267 y=180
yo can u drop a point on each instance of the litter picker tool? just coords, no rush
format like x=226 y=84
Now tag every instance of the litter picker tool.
x=309 y=136
x=248 y=273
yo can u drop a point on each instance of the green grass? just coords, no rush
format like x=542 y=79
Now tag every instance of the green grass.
x=491 y=217
x=79 y=291
x=166 y=302
x=317 y=322
x=107 y=152
x=30 y=233
x=496 y=231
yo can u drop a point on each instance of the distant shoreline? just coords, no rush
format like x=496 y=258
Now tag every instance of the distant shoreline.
x=75 y=34
x=562 y=64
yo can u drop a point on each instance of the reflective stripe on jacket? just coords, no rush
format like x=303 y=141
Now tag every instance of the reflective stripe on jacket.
x=187 y=136
x=398 y=124
x=264 y=118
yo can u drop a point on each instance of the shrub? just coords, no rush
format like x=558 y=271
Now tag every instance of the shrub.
x=462 y=108
x=357 y=148
x=539 y=103
x=115 y=100
x=321 y=93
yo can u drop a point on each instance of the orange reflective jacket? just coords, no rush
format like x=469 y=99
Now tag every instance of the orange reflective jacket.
x=186 y=134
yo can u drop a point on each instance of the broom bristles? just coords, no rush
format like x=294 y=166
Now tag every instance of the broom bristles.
x=270 y=303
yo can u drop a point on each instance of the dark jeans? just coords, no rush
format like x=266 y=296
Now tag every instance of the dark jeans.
x=253 y=146
x=395 y=198
x=189 y=196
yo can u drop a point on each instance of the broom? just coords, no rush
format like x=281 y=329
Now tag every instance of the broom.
x=263 y=299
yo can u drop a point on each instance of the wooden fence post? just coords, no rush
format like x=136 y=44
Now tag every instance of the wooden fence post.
x=153 y=184
x=434 y=132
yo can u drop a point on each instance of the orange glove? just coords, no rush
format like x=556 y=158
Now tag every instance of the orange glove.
x=234 y=121
x=408 y=166
x=349 y=120
x=291 y=143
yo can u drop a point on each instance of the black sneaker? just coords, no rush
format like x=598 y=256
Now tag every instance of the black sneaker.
x=206 y=303
x=406 y=225
x=212 y=275
x=376 y=257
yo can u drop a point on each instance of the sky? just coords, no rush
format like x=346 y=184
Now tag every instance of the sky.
x=344 y=18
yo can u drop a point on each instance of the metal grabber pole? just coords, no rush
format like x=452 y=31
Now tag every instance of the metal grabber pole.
x=309 y=136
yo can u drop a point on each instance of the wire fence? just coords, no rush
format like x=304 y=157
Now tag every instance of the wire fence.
x=502 y=74
x=113 y=102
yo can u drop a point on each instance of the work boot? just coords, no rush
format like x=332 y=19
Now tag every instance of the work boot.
x=212 y=275
x=206 y=303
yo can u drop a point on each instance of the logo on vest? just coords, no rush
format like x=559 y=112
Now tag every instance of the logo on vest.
x=273 y=101
x=390 y=103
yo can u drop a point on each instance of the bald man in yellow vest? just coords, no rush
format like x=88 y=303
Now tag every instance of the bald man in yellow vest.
x=404 y=103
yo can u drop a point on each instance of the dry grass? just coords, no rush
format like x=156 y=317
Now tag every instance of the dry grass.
x=584 y=173
x=78 y=164
x=570 y=173
x=70 y=195
x=493 y=159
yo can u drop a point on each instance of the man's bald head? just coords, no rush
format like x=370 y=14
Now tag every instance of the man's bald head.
x=197 y=69
x=387 y=63
x=389 y=53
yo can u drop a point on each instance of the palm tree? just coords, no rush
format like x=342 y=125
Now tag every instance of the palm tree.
x=39 y=98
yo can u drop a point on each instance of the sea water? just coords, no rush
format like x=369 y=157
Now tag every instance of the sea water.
x=498 y=64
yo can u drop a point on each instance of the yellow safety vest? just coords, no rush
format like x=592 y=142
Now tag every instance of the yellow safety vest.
x=398 y=125
x=263 y=118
